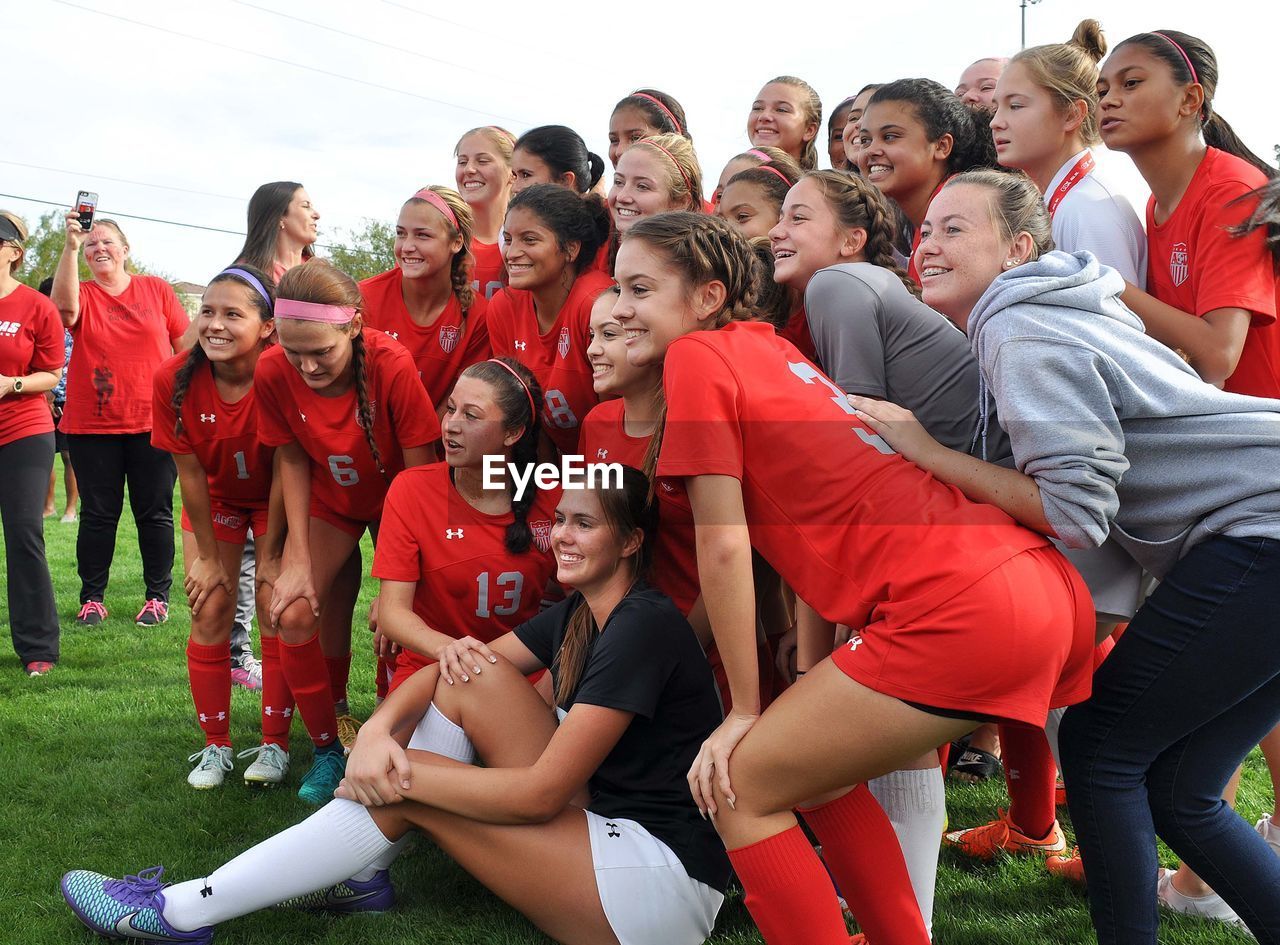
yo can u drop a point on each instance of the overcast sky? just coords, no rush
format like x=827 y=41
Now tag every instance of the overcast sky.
x=178 y=110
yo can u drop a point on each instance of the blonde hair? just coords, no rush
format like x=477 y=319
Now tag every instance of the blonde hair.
x=1069 y=72
x=21 y=226
x=461 y=264
x=684 y=174
x=502 y=141
x=1016 y=206
x=812 y=112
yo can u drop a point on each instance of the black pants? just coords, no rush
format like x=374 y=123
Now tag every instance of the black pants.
x=33 y=613
x=103 y=463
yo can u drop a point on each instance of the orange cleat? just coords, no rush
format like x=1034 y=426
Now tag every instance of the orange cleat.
x=1001 y=834
x=1070 y=867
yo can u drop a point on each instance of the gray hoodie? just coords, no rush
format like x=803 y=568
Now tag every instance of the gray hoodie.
x=1121 y=435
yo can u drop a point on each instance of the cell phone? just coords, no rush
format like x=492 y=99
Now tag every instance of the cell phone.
x=86 y=203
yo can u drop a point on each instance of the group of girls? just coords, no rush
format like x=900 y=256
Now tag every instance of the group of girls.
x=952 y=412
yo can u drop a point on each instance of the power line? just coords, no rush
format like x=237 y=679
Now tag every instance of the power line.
x=363 y=39
x=121 y=180
x=430 y=16
x=287 y=62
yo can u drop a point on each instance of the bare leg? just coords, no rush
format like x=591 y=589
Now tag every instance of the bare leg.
x=213 y=624
x=1185 y=880
x=69 y=484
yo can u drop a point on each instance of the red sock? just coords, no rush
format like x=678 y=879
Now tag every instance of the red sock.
x=944 y=755
x=863 y=854
x=1030 y=775
x=386 y=669
x=277 y=699
x=788 y=893
x=209 y=668
x=304 y=670
x=339 y=673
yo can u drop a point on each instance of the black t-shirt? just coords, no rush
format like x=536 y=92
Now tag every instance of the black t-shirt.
x=646 y=661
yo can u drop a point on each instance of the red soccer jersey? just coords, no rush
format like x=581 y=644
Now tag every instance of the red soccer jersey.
x=489 y=274
x=558 y=359
x=440 y=350
x=344 y=476
x=120 y=341
x=469 y=584
x=30 y=341
x=1196 y=265
x=222 y=436
x=848 y=523
x=796 y=331
x=675 y=553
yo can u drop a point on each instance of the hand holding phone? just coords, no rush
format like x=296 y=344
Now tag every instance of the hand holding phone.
x=86 y=204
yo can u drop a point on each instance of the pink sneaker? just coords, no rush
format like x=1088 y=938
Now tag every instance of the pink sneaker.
x=38 y=668
x=153 y=613
x=92 y=613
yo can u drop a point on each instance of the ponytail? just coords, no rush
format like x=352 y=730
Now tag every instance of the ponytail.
x=1265 y=217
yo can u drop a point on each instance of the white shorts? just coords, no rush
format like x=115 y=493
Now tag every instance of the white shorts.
x=647 y=896
x=437 y=733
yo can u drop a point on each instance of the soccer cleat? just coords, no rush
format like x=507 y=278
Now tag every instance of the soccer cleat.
x=214 y=761
x=153 y=613
x=1208 y=907
x=91 y=613
x=1001 y=834
x=129 y=908
x=1069 y=866
x=269 y=768
x=1270 y=832
x=374 y=895
x=38 y=668
x=348 y=728
x=326 y=771
x=248 y=674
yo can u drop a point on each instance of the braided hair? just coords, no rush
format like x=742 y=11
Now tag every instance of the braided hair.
x=196 y=359
x=462 y=261
x=859 y=205
x=516 y=392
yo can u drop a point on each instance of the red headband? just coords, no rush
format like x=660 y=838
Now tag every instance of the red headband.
x=666 y=111
x=1185 y=58
x=777 y=173
x=683 y=176
x=433 y=198
x=756 y=152
x=507 y=367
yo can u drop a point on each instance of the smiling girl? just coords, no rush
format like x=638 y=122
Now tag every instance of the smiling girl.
x=655 y=175
x=774 y=459
x=428 y=302
x=483 y=176
x=643 y=114
x=343 y=406
x=787 y=114
x=541 y=318
x=206 y=416
x=1210 y=294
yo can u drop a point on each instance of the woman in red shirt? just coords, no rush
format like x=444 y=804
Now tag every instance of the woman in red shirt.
x=774 y=459
x=125 y=325
x=483 y=176
x=29 y=366
x=541 y=318
x=206 y=416
x=344 y=409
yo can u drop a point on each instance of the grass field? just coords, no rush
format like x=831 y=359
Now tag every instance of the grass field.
x=93 y=774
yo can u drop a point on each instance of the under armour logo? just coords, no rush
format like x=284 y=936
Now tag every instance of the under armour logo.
x=322 y=737
x=668 y=487
x=303 y=416
x=521 y=345
x=855 y=641
x=613 y=829
x=453 y=533
x=208 y=417
x=271 y=710
x=221 y=717
x=602 y=454
x=206 y=891
x=394 y=334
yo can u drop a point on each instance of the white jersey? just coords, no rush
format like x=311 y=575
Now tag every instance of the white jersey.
x=1092 y=217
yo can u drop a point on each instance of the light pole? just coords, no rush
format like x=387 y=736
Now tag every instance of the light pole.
x=1024 y=5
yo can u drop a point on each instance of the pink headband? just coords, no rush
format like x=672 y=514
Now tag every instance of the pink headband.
x=777 y=173
x=1185 y=58
x=433 y=198
x=314 y=311
x=503 y=131
x=683 y=176
x=756 y=152
x=666 y=111
x=533 y=410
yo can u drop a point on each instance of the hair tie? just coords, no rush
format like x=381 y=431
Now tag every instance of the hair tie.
x=533 y=410
x=683 y=176
x=249 y=278
x=756 y=152
x=314 y=311
x=1185 y=58
x=777 y=173
x=666 y=111
x=433 y=198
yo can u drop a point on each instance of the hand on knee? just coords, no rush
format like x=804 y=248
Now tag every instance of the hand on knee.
x=297 y=624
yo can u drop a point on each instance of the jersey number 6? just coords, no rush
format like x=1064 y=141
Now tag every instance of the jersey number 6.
x=344 y=470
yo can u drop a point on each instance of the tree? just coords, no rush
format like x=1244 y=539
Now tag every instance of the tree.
x=365 y=252
x=44 y=248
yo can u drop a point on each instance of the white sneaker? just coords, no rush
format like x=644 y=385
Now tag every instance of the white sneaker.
x=1270 y=833
x=270 y=767
x=1209 y=907
x=214 y=763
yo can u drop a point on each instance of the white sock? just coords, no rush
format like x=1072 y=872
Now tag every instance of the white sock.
x=384 y=861
x=916 y=804
x=333 y=844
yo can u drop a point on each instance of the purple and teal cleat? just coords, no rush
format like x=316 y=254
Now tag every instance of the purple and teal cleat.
x=129 y=908
x=348 y=898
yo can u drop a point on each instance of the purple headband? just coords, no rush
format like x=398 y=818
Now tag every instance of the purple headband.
x=433 y=198
x=249 y=278
x=1185 y=58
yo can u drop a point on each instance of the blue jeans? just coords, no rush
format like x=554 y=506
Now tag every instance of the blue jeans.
x=1190 y=689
